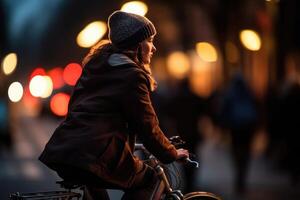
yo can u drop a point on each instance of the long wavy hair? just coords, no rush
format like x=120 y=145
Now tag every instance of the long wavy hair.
x=100 y=52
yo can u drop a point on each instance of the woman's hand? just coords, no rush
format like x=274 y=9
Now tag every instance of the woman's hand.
x=182 y=154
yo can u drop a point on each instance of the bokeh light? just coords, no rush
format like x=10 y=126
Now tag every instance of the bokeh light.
x=178 y=64
x=71 y=73
x=250 y=40
x=41 y=86
x=201 y=76
x=59 y=104
x=48 y=87
x=206 y=51
x=15 y=91
x=9 y=63
x=56 y=74
x=135 y=7
x=91 y=34
x=36 y=86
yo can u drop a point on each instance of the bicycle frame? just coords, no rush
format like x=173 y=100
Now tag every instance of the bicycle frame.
x=163 y=189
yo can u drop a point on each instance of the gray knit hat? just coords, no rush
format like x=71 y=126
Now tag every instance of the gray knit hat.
x=127 y=29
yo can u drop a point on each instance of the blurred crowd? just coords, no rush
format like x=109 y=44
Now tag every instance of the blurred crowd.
x=249 y=124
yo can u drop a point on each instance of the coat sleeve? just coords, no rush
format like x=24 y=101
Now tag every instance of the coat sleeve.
x=142 y=119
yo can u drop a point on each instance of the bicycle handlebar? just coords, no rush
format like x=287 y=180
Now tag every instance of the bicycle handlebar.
x=138 y=146
x=141 y=147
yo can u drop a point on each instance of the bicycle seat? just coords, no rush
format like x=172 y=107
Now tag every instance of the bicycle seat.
x=69 y=185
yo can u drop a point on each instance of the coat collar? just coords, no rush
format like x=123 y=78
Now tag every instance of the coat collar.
x=117 y=59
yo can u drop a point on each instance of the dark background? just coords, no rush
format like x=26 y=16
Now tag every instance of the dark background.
x=43 y=34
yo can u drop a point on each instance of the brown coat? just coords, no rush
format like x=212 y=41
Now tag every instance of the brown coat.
x=109 y=107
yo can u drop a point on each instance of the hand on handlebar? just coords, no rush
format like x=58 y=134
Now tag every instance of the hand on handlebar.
x=182 y=154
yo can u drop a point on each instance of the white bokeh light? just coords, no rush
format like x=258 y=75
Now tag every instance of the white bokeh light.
x=15 y=92
x=48 y=87
x=41 y=86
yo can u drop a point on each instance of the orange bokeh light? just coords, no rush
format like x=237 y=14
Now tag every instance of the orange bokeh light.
x=72 y=73
x=56 y=74
x=59 y=104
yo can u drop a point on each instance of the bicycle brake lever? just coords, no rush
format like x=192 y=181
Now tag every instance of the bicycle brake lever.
x=194 y=163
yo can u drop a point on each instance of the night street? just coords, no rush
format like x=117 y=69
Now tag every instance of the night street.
x=22 y=172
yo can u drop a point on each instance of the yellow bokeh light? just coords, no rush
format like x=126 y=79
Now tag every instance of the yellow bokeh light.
x=135 y=7
x=91 y=34
x=9 y=63
x=41 y=86
x=250 y=39
x=206 y=51
x=178 y=64
x=15 y=92
x=202 y=75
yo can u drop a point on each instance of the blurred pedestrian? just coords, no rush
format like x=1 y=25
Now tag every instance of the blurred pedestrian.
x=289 y=119
x=289 y=111
x=239 y=115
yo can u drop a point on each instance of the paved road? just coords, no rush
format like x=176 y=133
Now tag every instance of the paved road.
x=21 y=171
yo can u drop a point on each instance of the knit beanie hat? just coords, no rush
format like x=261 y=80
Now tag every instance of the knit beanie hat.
x=127 y=29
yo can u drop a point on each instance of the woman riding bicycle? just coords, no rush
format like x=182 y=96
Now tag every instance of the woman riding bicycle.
x=110 y=107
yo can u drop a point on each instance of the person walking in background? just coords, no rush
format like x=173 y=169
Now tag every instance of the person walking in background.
x=288 y=116
x=283 y=127
x=109 y=108
x=239 y=115
x=289 y=128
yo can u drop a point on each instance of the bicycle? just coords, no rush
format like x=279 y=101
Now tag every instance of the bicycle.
x=163 y=189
